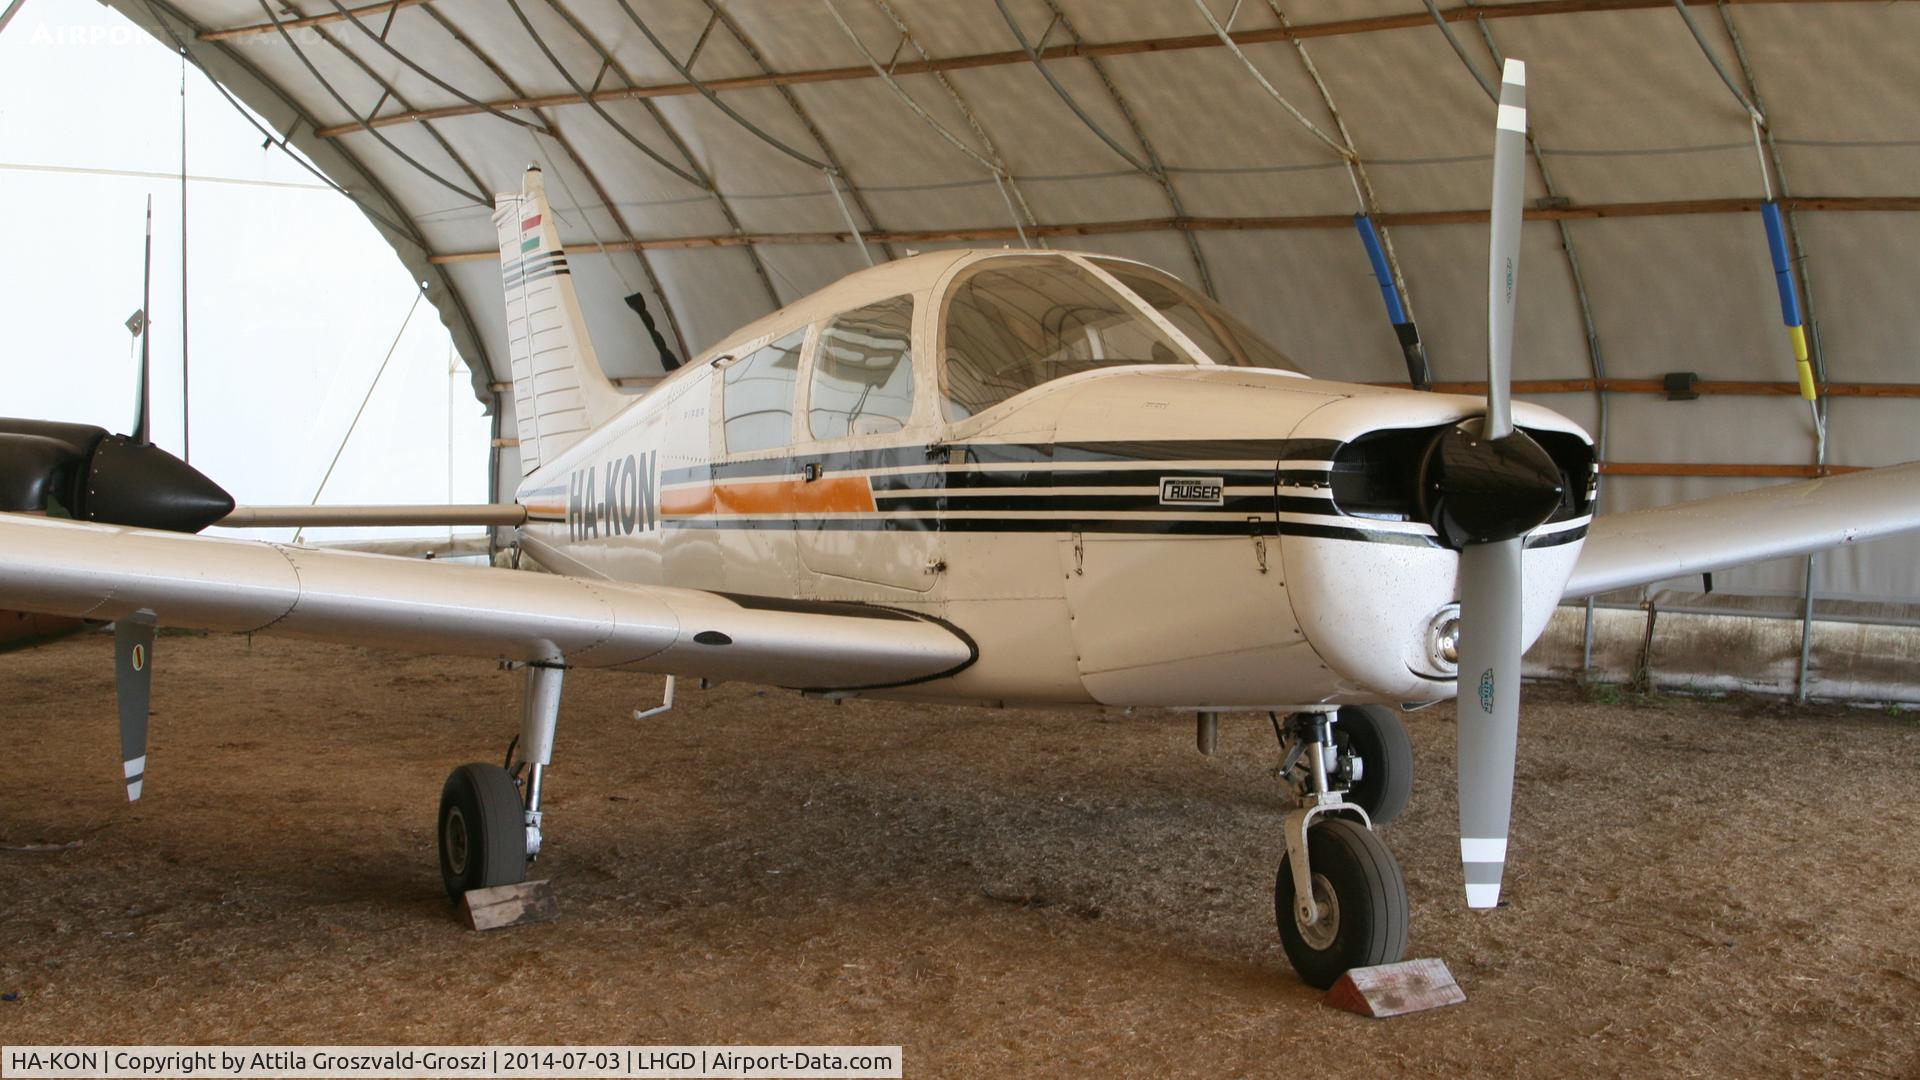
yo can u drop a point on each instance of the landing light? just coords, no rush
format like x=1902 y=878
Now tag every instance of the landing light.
x=1443 y=637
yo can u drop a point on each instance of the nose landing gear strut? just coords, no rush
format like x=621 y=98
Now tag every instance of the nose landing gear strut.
x=1339 y=900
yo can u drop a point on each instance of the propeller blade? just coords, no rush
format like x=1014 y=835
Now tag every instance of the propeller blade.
x=133 y=682
x=1503 y=246
x=1488 y=710
x=1490 y=586
x=143 y=405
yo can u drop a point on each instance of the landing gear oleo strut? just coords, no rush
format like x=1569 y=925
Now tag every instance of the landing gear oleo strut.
x=1339 y=899
x=489 y=814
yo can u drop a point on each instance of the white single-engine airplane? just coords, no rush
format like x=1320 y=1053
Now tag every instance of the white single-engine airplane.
x=1000 y=477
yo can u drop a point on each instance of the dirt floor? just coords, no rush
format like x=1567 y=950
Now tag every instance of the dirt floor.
x=1697 y=888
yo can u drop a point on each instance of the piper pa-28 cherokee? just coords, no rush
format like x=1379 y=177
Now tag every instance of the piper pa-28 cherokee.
x=1000 y=477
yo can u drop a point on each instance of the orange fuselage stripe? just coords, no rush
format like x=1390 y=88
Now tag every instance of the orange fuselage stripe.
x=828 y=495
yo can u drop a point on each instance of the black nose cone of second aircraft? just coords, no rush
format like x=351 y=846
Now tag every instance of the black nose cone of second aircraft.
x=132 y=484
x=1478 y=491
x=80 y=471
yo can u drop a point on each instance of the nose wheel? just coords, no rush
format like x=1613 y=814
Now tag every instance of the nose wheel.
x=1359 y=904
x=1339 y=899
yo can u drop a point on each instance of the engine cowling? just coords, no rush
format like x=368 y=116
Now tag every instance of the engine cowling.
x=84 y=472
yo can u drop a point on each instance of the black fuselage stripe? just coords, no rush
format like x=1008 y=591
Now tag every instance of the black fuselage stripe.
x=1048 y=478
x=1262 y=504
x=1225 y=526
x=1040 y=454
x=1303 y=478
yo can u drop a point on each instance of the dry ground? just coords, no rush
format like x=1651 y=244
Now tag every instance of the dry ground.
x=1726 y=889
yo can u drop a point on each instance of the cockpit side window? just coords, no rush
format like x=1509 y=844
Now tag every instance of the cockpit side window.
x=1014 y=326
x=757 y=397
x=863 y=372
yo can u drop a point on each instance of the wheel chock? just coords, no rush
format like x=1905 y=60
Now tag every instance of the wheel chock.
x=1394 y=989
x=518 y=904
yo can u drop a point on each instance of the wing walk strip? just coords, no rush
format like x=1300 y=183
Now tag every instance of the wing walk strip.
x=1068 y=487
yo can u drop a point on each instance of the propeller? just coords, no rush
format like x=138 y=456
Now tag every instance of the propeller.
x=143 y=405
x=81 y=471
x=1485 y=484
x=133 y=684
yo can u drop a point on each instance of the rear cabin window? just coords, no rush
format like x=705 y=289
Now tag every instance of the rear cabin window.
x=863 y=372
x=757 y=398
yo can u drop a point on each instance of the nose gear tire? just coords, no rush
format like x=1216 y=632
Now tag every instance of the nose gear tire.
x=1365 y=922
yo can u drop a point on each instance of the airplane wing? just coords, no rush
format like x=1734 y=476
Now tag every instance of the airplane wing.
x=83 y=570
x=1624 y=550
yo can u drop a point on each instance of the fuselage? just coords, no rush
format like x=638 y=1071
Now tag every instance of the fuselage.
x=1182 y=535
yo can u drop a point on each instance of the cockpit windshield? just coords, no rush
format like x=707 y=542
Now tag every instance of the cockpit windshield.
x=1016 y=324
x=1226 y=340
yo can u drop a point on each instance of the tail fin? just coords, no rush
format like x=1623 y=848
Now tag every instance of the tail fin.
x=559 y=391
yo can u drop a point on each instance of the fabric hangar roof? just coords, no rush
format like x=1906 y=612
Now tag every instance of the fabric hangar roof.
x=727 y=157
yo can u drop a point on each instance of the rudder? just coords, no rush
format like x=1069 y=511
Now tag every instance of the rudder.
x=559 y=390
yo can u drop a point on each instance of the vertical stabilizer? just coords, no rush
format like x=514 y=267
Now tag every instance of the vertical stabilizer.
x=559 y=391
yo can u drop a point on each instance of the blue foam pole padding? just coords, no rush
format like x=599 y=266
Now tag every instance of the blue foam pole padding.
x=1782 y=272
x=1378 y=257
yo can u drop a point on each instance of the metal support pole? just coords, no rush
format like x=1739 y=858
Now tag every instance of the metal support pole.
x=1803 y=685
x=1586 y=640
x=186 y=395
x=1813 y=371
x=833 y=185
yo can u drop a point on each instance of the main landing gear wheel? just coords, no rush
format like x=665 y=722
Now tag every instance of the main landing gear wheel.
x=483 y=830
x=1362 y=902
x=1376 y=735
